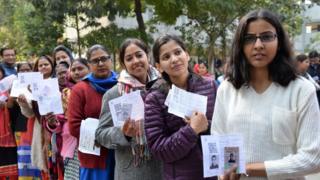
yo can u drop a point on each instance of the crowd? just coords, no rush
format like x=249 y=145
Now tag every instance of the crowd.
x=264 y=94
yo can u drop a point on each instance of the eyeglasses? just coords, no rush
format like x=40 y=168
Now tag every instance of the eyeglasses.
x=102 y=59
x=264 y=38
x=7 y=55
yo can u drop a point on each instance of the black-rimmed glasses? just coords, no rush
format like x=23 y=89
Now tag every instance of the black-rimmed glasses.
x=264 y=37
x=102 y=59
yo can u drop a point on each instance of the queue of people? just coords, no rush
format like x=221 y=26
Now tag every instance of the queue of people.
x=266 y=96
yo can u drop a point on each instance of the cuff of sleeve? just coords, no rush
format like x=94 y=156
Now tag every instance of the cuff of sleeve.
x=190 y=133
x=272 y=170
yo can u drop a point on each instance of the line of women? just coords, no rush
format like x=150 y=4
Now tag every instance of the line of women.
x=262 y=98
x=52 y=149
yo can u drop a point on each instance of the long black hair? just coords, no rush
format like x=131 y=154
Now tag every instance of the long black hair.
x=281 y=69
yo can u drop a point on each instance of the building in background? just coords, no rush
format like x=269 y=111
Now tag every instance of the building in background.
x=309 y=39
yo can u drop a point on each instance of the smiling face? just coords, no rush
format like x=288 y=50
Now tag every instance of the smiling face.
x=45 y=68
x=260 y=54
x=136 y=62
x=100 y=63
x=173 y=60
x=9 y=57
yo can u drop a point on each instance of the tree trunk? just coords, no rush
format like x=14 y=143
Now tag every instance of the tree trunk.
x=211 y=57
x=78 y=34
x=224 y=45
x=141 y=25
x=114 y=61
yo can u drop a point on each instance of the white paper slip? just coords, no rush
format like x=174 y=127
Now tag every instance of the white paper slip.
x=127 y=106
x=18 y=89
x=6 y=83
x=47 y=94
x=87 y=136
x=29 y=77
x=221 y=152
x=48 y=104
x=47 y=87
x=182 y=103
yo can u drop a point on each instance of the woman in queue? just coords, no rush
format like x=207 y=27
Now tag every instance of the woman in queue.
x=174 y=140
x=133 y=160
x=85 y=102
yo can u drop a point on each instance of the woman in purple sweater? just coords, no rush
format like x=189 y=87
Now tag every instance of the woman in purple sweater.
x=171 y=139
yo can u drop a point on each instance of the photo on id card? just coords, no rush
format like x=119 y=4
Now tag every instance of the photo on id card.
x=231 y=157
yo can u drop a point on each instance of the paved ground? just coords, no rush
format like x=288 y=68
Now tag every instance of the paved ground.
x=314 y=177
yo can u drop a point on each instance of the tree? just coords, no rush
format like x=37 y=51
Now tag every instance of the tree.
x=82 y=14
x=42 y=27
x=211 y=22
x=12 y=17
x=110 y=37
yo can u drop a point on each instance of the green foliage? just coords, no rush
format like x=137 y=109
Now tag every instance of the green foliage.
x=29 y=28
x=34 y=26
x=313 y=44
x=211 y=22
x=42 y=31
x=10 y=35
x=111 y=37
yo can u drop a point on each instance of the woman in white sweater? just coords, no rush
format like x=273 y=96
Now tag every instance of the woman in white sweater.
x=263 y=99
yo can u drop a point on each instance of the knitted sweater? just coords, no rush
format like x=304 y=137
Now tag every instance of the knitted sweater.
x=280 y=126
x=85 y=102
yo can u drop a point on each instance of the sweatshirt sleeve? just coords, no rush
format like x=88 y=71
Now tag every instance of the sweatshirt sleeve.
x=106 y=134
x=307 y=158
x=76 y=111
x=168 y=148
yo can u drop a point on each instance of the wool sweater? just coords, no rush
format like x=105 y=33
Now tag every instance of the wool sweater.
x=280 y=126
x=85 y=102
x=170 y=139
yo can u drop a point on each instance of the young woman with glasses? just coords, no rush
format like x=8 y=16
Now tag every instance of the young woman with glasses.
x=264 y=101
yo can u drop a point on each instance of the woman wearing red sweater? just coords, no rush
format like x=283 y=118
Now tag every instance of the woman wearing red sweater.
x=85 y=101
